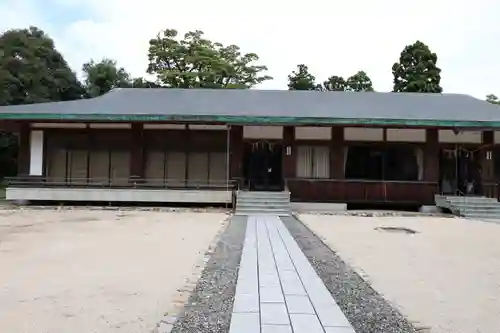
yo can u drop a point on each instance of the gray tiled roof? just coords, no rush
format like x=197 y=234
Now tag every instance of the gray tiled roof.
x=272 y=104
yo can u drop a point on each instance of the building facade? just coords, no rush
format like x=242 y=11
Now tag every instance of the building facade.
x=67 y=153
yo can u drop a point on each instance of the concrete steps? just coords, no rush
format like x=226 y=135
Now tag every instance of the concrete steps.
x=469 y=200
x=472 y=207
x=262 y=203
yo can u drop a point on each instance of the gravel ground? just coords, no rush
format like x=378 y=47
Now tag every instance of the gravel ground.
x=9 y=206
x=367 y=311
x=445 y=275
x=83 y=271
x=210 y=305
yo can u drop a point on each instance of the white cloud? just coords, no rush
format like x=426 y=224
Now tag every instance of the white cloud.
x=332 y=38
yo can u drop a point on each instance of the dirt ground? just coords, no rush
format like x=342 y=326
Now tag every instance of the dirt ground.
x=98 y=271
x=445 y=277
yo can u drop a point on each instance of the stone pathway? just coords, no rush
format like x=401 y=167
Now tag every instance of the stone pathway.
x=278 y=291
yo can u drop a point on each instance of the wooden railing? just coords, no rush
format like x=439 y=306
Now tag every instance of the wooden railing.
x=131 y=182
x=360 y=191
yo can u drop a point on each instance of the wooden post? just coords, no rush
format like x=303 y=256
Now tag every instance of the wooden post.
x=187 y=153
x=137 y=153
x=487 y=165
x=23 y=161
x=431 y=156
x=337 y=163
x=89 y=148
x=289 y=160
x=236 y=151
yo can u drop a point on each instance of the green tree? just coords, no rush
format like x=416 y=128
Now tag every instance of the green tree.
x=416 y=70
x=359 y=82
x=33 y=71
x=100 y=77
x=196 y=62
x=301 y=79
x=335 y=83
x=143 y=83
x=492 y=99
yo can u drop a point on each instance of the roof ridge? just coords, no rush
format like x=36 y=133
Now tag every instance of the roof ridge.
x=118 y=89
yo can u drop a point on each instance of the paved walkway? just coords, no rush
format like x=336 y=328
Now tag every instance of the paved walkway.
x=278 y=291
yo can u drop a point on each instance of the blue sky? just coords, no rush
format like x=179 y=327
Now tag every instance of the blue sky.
x=61 y=13
x=332 y=38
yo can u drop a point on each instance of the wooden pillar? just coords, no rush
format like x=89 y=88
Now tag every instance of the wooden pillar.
x=188 y=147
x=89 y=140
x=23 y=160
x=337 y=163
x=289 y=152
x=236 y=152
x=137 y=153
x=431 y=156
x=486 y=158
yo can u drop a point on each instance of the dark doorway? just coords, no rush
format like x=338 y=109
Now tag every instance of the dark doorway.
x=460 y=171
x=395 y=162
x=262 y=166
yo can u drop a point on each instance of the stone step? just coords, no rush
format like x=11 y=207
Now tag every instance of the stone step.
x=285 y=205
x=263 y=198
x=470 y=199
x=476 y=204
x=473 y=203
x=483 y=216
x=255 y=194
x=256 y=209
x=263 y=203
x=259 y=209
x=243 y=199
x=247 y=213
x=260 y=205
x=473 y=206
x=479 y=209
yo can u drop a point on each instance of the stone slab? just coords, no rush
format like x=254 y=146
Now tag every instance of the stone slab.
x=278 y=290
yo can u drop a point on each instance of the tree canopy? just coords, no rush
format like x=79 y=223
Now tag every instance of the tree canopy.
x=359 y=82
x=196 y=62
x=493 y=99
x=335 y=83
x=417 y=70
x=32 y=70
x=143 y=83
x=101 y=77
x=301 y=79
